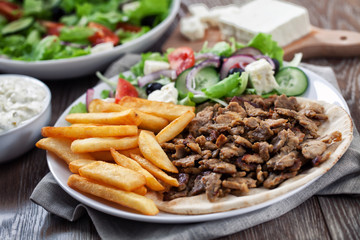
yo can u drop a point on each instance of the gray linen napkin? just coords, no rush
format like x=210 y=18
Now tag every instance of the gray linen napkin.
x=343 y=178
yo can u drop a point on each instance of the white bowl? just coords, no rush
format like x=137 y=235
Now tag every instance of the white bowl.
x=17 y=141
x=79 y=66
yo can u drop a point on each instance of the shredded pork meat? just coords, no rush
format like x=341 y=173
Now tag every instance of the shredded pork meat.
x=253 y=142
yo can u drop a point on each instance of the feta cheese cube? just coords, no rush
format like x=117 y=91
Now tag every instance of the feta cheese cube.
x=192 y=28
x=102 y=47
x=151 y=66
x=261 y=76
x=286 y=22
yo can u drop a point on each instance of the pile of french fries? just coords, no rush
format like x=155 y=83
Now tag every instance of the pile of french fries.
x=114 y=150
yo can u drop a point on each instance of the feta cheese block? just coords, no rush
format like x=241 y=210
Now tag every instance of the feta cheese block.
x=261 y=76
x=286 y=22
x=192 y=28
x=151 y=66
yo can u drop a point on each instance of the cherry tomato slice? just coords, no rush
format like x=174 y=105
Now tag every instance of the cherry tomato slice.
x=10 y=11
x=52 y=28
x=181 y=59
x=128 y=27
x=124 y=88
x=102 y=34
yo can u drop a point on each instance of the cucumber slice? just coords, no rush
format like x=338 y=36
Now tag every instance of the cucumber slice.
x=17 y=26
x=207 y=77
x=292 y=81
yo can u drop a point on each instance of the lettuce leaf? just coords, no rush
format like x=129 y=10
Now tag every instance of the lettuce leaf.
x=76 y=34
x=15 y=46
x=149 y=8
x=126 y=36
x=233 y=85
x=47 y=48
x=221 y=49
x=78 y=108
x=267 y=46
x=188 y=100
x=108 y=19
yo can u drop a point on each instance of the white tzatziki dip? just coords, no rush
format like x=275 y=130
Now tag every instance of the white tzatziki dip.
x=20 y=100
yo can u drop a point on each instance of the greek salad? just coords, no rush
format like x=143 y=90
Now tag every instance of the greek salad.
x=226 y=70
x=33 y=30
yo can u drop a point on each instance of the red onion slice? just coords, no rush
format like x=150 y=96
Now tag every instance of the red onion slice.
x=203 y=56
x=248 y=51
x=267 y=58
x=142 y=81
x=190 y=83
x=242 y=60
x=89 y=97
x=111 y=94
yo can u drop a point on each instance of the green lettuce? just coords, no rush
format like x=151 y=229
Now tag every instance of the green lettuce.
x=39 y=8
x=149 y=8
x=47 y=48
x=188 y=100
x=108 y=19
x=221 y=49
x=233 y=85
x=15 y=46
x=70 y=52
x=78 y=108
x=76 y=34
x=267 y=46
x=126 y=36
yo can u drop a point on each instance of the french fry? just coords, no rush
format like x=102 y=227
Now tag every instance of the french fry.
x=88 y=131
x=127 y=117
x=127 y=152
x=127 y=162
x=153 y=152
x=175 y=127
x=127 y=199
x=113 y=174
x=103 y=156
x=141 y=190
x=169 y=111
x=148 y=121
x=62 y=148
x=76 y=164
x=103 y=144
x=157 y=172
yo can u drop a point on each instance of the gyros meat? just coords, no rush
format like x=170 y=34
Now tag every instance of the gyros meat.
x=251 y=151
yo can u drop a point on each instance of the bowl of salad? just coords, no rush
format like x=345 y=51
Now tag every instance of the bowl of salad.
x=54 y=40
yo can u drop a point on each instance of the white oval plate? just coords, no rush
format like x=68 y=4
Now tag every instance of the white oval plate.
x=319 y=89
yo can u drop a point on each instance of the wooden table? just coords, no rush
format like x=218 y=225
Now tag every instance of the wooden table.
x=334 y=217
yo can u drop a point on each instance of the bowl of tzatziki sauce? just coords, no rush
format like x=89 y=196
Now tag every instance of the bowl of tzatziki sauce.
x=25 y=107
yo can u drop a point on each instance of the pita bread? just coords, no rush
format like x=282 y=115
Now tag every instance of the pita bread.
x=339 y=120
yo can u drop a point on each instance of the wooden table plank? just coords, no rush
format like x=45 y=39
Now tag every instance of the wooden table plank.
x=342 y=216
x=303 y=222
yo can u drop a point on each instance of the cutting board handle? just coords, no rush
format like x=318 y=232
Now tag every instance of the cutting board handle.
x=325 y=43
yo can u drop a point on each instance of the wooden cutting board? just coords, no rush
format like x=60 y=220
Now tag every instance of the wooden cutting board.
x=318 y=43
